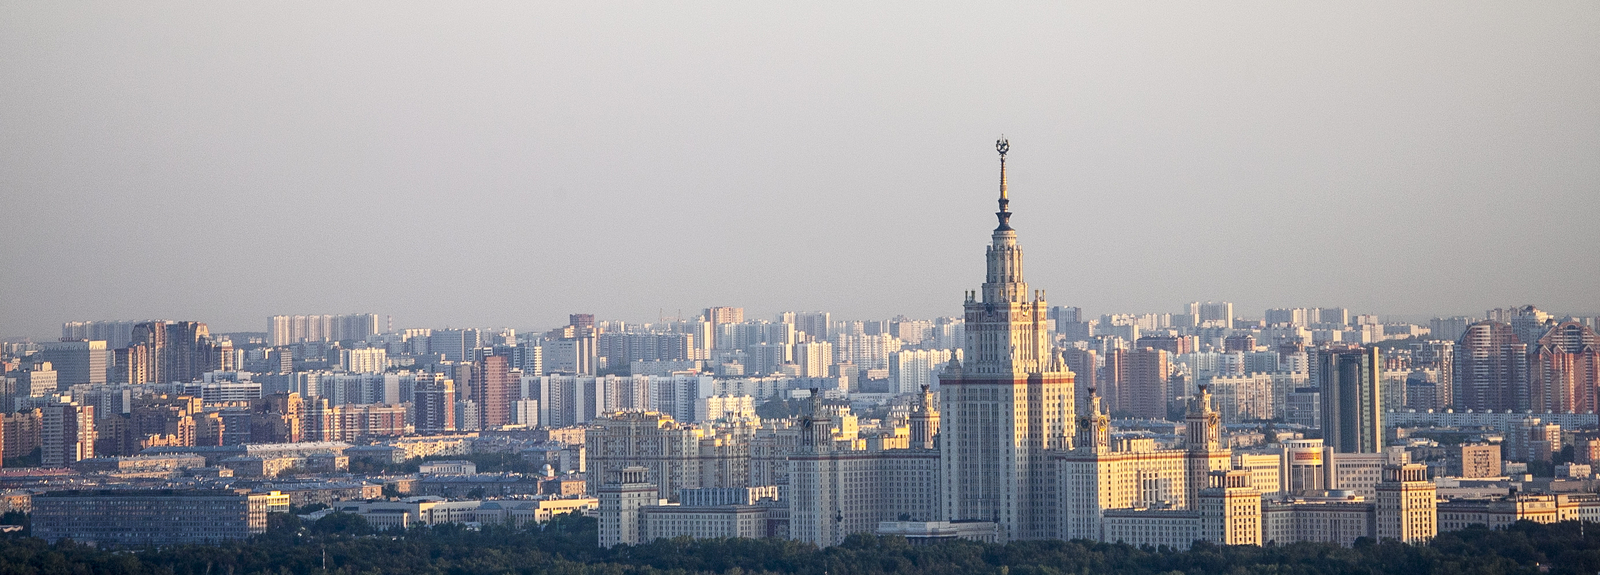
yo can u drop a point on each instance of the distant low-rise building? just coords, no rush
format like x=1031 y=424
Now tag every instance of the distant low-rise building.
x=1501 y=512
x=272 y=466
x=929 y=532
x=302 y=493
x=215 y=453
x=1339 y=522
x=450 y=467
x=520 y=513
x=140 y=463
x=149 y=517
x=720 y=521
x=479 y=485
x=1475 y=460
x=1503 y=421
x=16 y=500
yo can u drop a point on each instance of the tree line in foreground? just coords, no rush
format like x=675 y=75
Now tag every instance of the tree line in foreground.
x=344 y=544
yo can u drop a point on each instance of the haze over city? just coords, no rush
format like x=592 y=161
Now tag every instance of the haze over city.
x=510 y=163
x=735 y=288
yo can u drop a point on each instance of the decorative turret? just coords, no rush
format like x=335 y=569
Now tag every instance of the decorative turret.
x=1094 y=428
x=816 y=426
x=953 y=368
x=924 y=421
x=1204 y=424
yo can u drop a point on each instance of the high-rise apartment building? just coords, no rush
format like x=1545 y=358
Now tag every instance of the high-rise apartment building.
x=434 y=405
x=1145 y=391
x=1530 y=324
x=1240 y=398
x=455 y=344
x=1333 y=316
x=292 y=329
x=675 y=455
x=1113 y=372
x=912 y=370
x=494 y=390
x=721 y=315
x=77 y=361
x=278 y=419
x=20 y=432
x=67 y=434
x=910 y=331
x=570 y=355
x=1449 y=328
x=172 y=351
x=620 y=349
x=130 y=365
x=1438 y=357
x=1564 y=370
x=1220 y=312
x=817 y=325
x=1085 y=366
x=717 y=316
x=34 y=379
x=768 y=358
x=364 y=360
x=150 y=339
x=1352 y=404
x=116 y=334
x=1172 y=344
x=813 y=358
x=528 y=357
x=1009 y=403
x=1491 y=368
x=865 y=351
x=1290 y=316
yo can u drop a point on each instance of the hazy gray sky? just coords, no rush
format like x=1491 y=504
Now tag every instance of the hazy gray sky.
x=508 y=163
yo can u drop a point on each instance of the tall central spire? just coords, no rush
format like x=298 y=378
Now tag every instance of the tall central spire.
x=1004 y=281
x=1003 y=146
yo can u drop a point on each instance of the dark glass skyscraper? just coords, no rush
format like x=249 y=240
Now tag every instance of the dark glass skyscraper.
x=1352 y=406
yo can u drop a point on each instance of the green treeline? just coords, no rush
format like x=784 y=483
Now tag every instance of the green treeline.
x=566 y=546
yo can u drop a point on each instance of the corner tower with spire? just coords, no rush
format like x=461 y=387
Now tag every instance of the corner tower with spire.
x=1010 y=404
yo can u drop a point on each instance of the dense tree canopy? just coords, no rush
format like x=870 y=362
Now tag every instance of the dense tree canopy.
x=567 y=546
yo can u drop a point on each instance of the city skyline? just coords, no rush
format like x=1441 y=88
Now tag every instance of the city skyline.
x=1308 y=426
x=500 y=171
x=602 y=287
x=385 y=321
